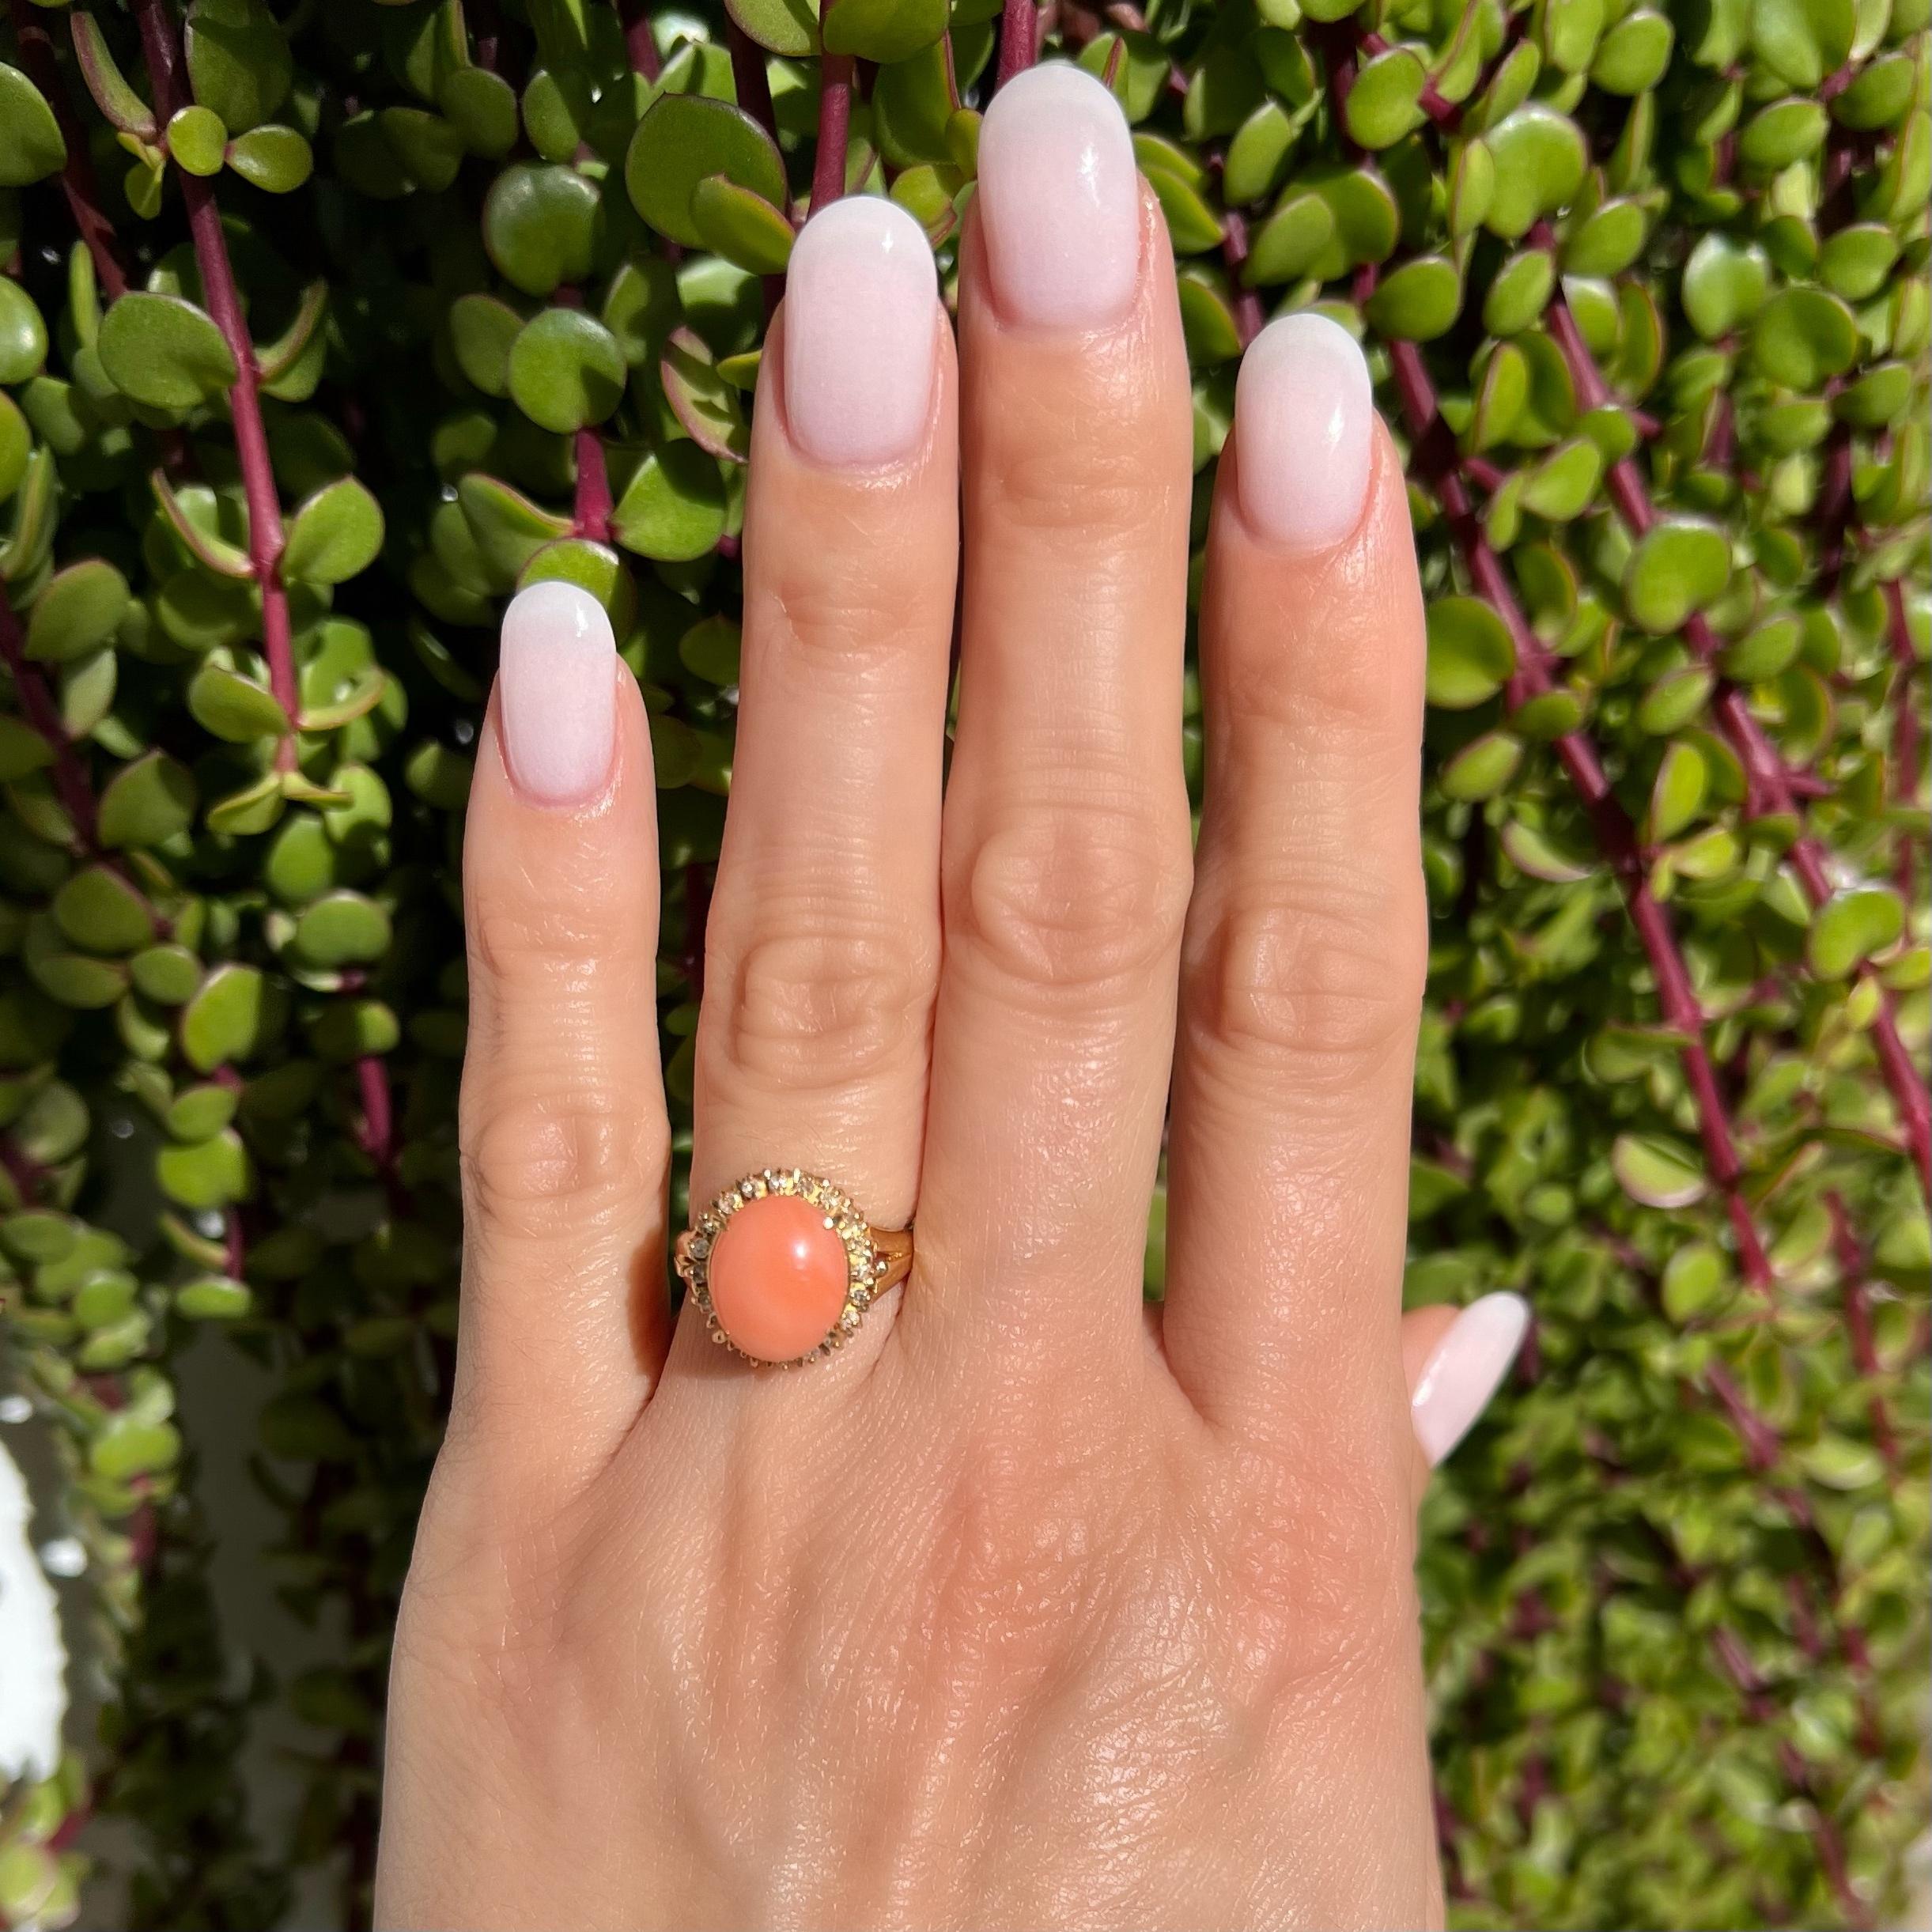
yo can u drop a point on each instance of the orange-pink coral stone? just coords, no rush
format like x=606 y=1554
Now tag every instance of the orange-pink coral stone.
x=778 y=1276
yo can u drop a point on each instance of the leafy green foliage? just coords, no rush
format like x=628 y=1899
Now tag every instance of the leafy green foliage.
x=324 y=331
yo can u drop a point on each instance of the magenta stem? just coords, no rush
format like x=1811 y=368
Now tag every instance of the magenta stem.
x=829 y=159
x=1020 y=32
x=224 y=302
x=640 y=47
x=593 y=488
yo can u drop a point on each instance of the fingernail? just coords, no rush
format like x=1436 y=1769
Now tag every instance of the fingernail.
x=861 y=291
x=1469 y=1362
x=557 y=692
x=1059 y=199
x=1304 y=411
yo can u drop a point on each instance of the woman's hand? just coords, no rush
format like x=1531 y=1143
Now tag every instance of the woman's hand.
x=1024 y=1608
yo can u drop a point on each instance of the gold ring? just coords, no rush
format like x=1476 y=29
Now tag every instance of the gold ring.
x=784 y=1266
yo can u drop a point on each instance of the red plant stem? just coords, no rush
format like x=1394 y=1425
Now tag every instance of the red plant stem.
x=1020 y=32
x=218 y=290
x=378 y=1135
x=1770 y=780
x=829 y=159
x=640 y=48
x=1859 y=1322
x=593 y=487
x=1435 y=452
x=1247 y=304
x=77 y=180
x=37 y=702
x=749 y=81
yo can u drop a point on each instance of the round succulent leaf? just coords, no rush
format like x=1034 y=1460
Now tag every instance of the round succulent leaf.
x=1519 y=293
x=22 y=750
x=1632 y=56
x=31 y=146
x=1207 y=321
x=168 y=974
x=1880 y=95
x=1803 y=337
x=78 y=611
x=1193 y=226
x=1855 y=261
x=164 y=351
x=100 y=911
x=1540 y=159
x=707 y=407
x=232 y=1016
x=234 y=708
x=238 y=60
x=341 y=929
x=1852 y=926
x=1609 y=241
x=685 y=139
x=1471 y=655
x=1782 y=134
x=197 y=140
x=1384 y=101
x=741 y=226
x=1725 y=283
x=213 y=1298
x=126 y=1445
x=482 y=329
x=1678 y=794
x=540 y=225
x=430 y=149
x=787 y=28
x=565 y=370
x=1257 y=155
x=147 y=804
x=1802 y=41
x=1471 y=186
x=1680 y=566
x=1290 y=240
x=674 y=508
x=1563 y=485
x=1416 y=302
x=1482 y=768
x=1567 y=31
x=206 y=1174
x=507 y=527
x=482 y=107
x=557 y=108
x=1837 y=1462
x=1657 y=1171
x=274 y=159
x=23 y=339
x=16 y=442
x=333 y=535
x=1675 y=700
x=883 y=31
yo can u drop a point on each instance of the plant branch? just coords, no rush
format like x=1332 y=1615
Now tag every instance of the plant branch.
x=640 y=46
x=1019 y=39
x=162 y=48
x=593 y=506
x=828 y=158
x=71 y=781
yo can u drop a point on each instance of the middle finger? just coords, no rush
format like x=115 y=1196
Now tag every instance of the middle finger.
x=1065 y=863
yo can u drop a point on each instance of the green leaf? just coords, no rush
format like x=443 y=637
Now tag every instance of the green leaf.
x=23 y=334
x=238 y=61
x=147 y=804
x=1482 y=767
x=674 y=507
x=1632 y=56
x=340 y=929
x=706 y=406
x=509 y=528
x=164 y=351
x=334 y=535
x=1802 y=337
x=1852 y=926
x=1540 y=159
x=1657 y=1172
x=565 y=370
x=98 y=909
x=1471 y=656
x=741 y=226
x=1290 y=240
x=235 y=708
x=1802 y=41
x=685 y=139
x=229 y=1019
x=482 y=329
x=197 y=140
x=31 y=146
x=1193 y=226
x=1677 y=795
x=78 y=611
x=1837 y=1462
x=208 y=1175
x=276 y=160
x=482 y=107
x=1725 y=283
x=1385 y=102
x=789 y=27
x=1416 y=302
x=1680 y=566
x=540 y=225
x=112 y=94
x=883 y=31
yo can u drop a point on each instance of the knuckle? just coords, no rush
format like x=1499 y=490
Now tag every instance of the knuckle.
x=546 y=941
x=1073 y=896
x=835 y=1000
x=550 y=1164
x=1325 y=972
x=844 y=615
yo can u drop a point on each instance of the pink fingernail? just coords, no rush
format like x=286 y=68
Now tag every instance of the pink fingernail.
x=861 y=292
x=1059 y=199
x=1469 y=1362
x=557 y=694
x=1304 y=412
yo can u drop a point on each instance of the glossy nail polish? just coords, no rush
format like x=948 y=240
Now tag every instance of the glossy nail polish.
x=1469 y=1362
x=1304 y=425
x=557 y=694
x=1060 y=200
x=861 y=298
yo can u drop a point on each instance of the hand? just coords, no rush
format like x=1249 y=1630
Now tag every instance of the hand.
x=1024 y=1607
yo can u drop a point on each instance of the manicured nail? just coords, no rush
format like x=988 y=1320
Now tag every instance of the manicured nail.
x=1469 y=1362
x=1304 y=413
x=860 y=292
x=557 y=692
x=1059 y=199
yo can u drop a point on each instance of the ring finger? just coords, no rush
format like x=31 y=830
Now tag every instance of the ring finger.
x=823 y=944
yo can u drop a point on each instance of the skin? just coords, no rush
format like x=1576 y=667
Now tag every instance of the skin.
x=1025 y=1609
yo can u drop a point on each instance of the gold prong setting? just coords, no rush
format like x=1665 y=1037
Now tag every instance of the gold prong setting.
x=865 y=1267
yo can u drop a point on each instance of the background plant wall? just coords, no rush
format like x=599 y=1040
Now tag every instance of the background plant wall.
x=323 y=326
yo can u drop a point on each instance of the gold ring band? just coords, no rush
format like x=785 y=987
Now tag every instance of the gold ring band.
x=800 y=1277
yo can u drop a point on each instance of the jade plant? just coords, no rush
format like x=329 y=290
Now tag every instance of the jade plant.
x=323 y=326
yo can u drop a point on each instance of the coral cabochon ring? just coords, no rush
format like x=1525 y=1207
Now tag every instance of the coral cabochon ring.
x=784 y=1266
